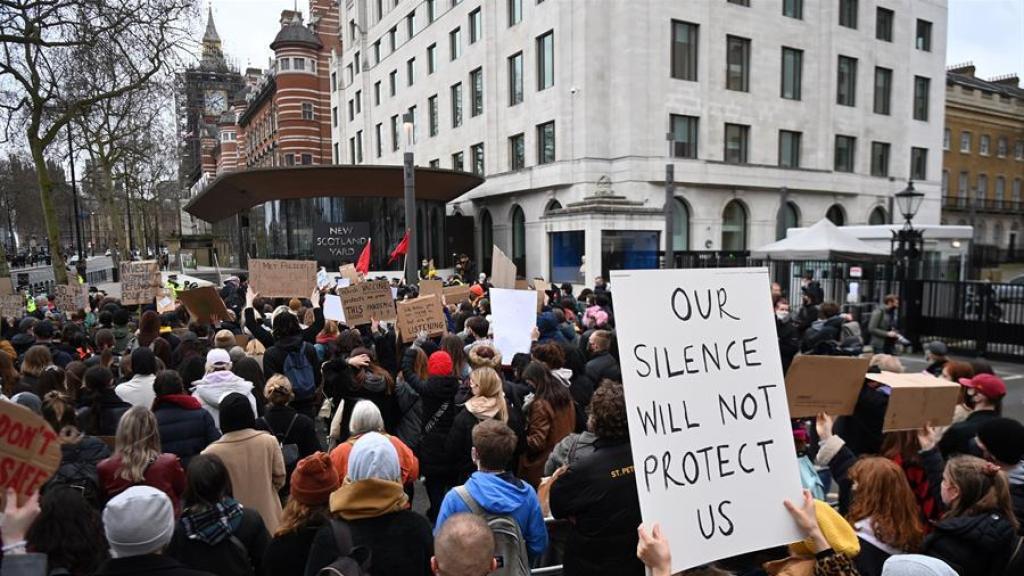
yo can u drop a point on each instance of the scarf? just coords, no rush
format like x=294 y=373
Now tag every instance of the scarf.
x=212 y=525
x=368 y=498
x=180 y=400
x=484 y=407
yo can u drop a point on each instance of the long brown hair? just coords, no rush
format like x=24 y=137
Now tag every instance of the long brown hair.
x=36 y=360
x=419 y=364
x=883 y=496
x=297 y=515
x=373 y=368
x=903 y=444
x=456 y=349
x=546 y=387
x=9 y=375
x=983 y=488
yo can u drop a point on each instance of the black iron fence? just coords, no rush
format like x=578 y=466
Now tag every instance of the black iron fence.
x=975 y=318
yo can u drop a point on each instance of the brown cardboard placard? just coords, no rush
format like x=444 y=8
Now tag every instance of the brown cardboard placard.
x=12 y=306
x=829 y=384
x=368 y=301
x=283 y=278
x=917 y=399
x=349 y=271
x=428 y=287
x=29 y=450
x=140 y=282
x=6 y=286
x=542 y=288
x=71 y=297
x=421 y=314
x=521 y=284
x=503 y=270
x=165 y=302
x=457 y=294
x=203 y=303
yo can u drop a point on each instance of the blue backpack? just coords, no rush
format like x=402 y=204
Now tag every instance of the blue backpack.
x=300 y=373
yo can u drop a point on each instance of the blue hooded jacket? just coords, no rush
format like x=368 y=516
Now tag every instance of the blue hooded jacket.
x=502 y=494
x=547 y=325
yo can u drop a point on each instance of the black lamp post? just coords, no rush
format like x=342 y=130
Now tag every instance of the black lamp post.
x=907 y=249
x=412 y=262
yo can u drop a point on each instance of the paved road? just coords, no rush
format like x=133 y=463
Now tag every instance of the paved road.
x=1012 y=374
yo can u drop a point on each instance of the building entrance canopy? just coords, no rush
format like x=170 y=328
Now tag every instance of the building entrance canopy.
x=234 y=192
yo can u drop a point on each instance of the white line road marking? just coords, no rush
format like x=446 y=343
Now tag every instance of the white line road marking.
x=1014 y=377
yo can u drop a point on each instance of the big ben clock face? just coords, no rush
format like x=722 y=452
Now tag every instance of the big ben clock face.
x=216 y=101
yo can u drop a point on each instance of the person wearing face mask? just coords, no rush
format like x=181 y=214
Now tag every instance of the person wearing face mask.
x=789 y=336
x=984 y=396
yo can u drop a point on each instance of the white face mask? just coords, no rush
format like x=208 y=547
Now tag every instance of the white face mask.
x=782 y=315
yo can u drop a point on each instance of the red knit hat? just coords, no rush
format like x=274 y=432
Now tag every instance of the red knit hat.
x=314 y=479
x=440 y=364
x=476 y=290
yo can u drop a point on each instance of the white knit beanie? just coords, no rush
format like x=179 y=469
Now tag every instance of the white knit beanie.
x=138 y=521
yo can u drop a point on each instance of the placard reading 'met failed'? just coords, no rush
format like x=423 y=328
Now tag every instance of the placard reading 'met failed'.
x=709 y=424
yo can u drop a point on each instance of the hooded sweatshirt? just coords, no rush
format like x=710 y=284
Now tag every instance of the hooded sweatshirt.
x=138 y=391
x=502 y=494
x=216 y=385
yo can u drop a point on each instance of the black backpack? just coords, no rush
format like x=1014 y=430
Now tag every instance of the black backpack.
x=80 y=476
x=351 y=560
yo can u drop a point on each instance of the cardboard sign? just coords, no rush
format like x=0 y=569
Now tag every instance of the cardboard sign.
x=829 y=384
x=12 y=306
x=333 y=309
x=282 y=278
x=29 y=450
x=457 y=294
x=542 y=288
x=71 y=297
x=428 y=287
x=165 y=303
x=513 y=314
x=339 y=242
x=349 y=271
x=916 y=400
x=140 y=282
x=503 y=270
x=203 y=304
x=6 y=287
x=366 y=301
x=423 y=314
x=708 y=418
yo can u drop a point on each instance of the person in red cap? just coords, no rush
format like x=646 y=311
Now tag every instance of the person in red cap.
x=985 y=398
x=312 y=483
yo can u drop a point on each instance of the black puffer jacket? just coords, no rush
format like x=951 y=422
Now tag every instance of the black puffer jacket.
x=437 y=395
x=111 y=408
x=972 y=545
x=603 y=365
x=185 y=427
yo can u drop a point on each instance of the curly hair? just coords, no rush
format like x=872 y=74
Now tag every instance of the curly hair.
x=608 y=411
x=883 y=495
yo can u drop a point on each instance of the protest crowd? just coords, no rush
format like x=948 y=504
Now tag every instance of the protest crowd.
x=269 y=440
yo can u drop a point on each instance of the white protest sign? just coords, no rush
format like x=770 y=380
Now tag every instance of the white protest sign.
x=321 y=277
x=708 y=416
x=343 y=282
x=514 y=314
x=332 y=308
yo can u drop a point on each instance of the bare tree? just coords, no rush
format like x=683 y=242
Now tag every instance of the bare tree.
x=61 y=57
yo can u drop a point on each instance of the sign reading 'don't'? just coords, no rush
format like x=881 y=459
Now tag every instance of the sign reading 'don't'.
x=709 y=424
x=29 y=450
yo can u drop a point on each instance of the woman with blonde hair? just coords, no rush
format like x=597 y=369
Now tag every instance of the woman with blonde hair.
x=138 y=460
x=884 y=513
x=488 y=402
x=286 y=424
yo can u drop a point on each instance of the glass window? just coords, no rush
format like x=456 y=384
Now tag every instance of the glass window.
x=789 y=149
x=962 y=185
x=848 y=13
x=737 y=65
x=476 y=92
x=790 y=218
x=921 y=87
x=395 y=138
x=299 y=63
x=567 y=250
x=629 y=250
x=517 y=152
x=1000 y=189
x=1016 y=193
x=334 y=81
x=458 y=161
x=515 y=79
x=486 y=235
x=883 y=90
x=376 y=93
x=515 y=14
x=965 y=141
x=879 y=159
x=307 y=159
x=846 y=87
x=393 y=82
x=519 y=239
x=883 y=24
x=792 y=73
x=457 y=105
x=392 y=38
x=984 y=146
x=546 y=143
x=918 y=163
x=375 y=52
x=435 y=163
x=685 y=37
x=307 y=110
x=740 y=2
x=736 y=143
x=431 y=10
x=379 y=150
x=359 y=147
x=359 y=101
x=845 y=149
x=546 y=60
x=793 y=9
x=1001 y=146
x=924 y=36
x=684 y=135
x=431 y=59
x=455 y=43
x=334 y=116
x=982 y=191
x=432 y=115
x=734 y=227
x=836 y=215
x=410 y=24
x=1018 y=150
x=284 y=64
x=476 y=25
x=680 y=225
x=946 y=137
x=410 y=71
x=476 y=152
x=878 y=217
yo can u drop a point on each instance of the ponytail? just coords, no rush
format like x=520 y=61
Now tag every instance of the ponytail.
x=984 y=488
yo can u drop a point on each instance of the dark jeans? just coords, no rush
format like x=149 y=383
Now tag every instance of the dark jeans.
x=437 y=486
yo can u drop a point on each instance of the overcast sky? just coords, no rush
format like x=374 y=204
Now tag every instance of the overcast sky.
x=988 y=32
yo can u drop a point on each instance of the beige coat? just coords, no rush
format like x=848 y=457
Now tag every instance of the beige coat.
x=254 y=462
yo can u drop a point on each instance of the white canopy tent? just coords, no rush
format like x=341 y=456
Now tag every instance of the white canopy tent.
x=823 y=241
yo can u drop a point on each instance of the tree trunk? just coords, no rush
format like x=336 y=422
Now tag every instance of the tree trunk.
x=60 y=272
x=5 y=270
x=114 y=210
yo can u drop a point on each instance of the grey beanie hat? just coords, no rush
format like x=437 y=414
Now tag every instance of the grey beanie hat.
x=138 y=521
x=916 y=565
x=28 y=400
x=373 y=456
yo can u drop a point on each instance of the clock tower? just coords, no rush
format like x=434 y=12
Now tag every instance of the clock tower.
x=203 y=94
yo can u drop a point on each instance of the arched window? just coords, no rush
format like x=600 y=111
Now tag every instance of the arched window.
x=734 y=226
x=836 y=215
x=519 y=240
x=552 y=205
x=878 y=216
x=680 y=225
x=790 y=219
x=486 y=241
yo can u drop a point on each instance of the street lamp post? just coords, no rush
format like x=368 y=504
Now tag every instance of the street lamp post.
x=412 y=256
x=670 y=196
x=908 y=247
x=74 y=196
